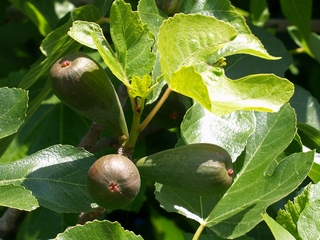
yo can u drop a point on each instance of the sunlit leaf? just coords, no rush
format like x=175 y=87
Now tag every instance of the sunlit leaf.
x=97 y=230
x=245 y=42
x=17 y=197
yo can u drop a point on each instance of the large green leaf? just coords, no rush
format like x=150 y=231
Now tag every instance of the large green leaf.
x=245 y=42
x=230 y=131
x=56 y=176
x=97 y=230
x=187 y=43
x=261 y=170
x=187 y=40
x=14 y=104
x=274 y=132
x=299 y=14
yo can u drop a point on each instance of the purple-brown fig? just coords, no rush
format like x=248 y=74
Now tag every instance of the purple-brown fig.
x=82 y=84
x=113 y=181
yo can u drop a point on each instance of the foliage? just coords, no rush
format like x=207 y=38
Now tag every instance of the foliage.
x=233 y=76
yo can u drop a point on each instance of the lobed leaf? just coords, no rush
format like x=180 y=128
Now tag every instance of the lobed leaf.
x=186 y=40
x=245 y=42
x=98 y=230
x=274 y=132
x=56 y=176
x=132 y=40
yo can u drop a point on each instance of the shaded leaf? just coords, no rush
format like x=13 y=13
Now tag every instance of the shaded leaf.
x=44 y=224
x=278 y=232
x=307 y=107
x=229 y=131
x=187 y=204
x=98 y=230
x=17 y=197
x=14 y=104
x=56 y=176
x=259 y=12
x=64 y=125
x=299 y=14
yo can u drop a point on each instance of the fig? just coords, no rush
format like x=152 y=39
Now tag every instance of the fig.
x=83 y=85
x=202 y=168
x=113 y=181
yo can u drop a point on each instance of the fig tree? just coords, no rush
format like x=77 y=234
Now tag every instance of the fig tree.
x=113 y=181
x=82 y=84
x=203 y=169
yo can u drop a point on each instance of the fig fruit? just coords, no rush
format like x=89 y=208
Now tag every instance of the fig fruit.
x=82 y=84
x=113 y=181
x=201 y=168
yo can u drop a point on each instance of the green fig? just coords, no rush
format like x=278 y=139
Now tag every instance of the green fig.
x=82 y=84
x=113 y=181
x=201 y=168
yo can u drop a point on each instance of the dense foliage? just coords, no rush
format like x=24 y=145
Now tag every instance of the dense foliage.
x=239 y=77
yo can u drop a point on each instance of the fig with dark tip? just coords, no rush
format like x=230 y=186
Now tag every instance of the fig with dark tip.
x=113 y=181
x=201 y=168
x=82 y=84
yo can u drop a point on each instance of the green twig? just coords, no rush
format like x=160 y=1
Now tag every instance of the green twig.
x=156 y=108
x=198 y=232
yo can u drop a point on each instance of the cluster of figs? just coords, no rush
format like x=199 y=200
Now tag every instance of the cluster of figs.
x=114 y=179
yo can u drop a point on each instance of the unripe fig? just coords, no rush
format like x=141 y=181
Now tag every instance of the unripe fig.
x=202 y=168
x=113 y=181
x=82 y=84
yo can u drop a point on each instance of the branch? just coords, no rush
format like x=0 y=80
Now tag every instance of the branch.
x=10 y=220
